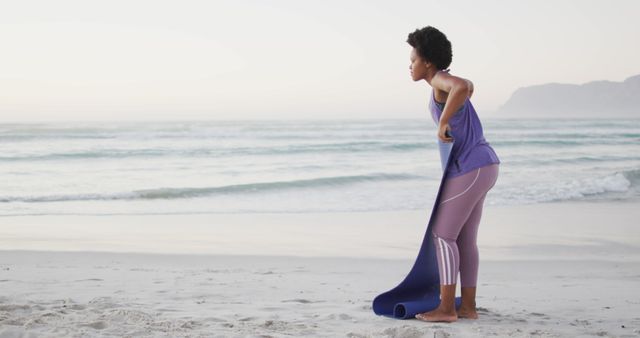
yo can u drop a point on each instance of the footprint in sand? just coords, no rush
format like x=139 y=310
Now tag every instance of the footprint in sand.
x=98 y=325
x=300 y=300
x=537 y=314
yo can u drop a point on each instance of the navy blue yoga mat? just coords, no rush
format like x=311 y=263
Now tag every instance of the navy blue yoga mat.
x=420 y=290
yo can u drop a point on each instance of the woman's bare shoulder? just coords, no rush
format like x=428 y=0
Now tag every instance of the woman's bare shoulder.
x=444 y=82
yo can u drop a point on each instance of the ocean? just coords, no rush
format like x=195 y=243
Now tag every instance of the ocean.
x=200 y=167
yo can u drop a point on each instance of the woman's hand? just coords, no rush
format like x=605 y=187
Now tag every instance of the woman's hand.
x=443 y=133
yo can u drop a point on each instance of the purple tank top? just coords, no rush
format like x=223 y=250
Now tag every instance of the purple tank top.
x=470 y=150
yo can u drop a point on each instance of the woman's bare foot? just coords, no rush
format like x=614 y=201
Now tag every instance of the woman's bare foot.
x=467 y=312
x=467 y=308
x=438 y=315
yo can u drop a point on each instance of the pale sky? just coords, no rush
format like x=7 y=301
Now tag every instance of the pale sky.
x=166 y=60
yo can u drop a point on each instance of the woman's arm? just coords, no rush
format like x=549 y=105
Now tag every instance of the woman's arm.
x=459 y=89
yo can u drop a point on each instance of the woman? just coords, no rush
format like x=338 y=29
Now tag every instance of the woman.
x=471 y=172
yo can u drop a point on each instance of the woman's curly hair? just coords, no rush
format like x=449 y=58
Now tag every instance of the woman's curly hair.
x=431 y=45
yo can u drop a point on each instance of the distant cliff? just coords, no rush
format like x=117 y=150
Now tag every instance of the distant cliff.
x=592 y=99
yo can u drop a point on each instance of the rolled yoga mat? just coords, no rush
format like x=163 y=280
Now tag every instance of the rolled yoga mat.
x=420 y=290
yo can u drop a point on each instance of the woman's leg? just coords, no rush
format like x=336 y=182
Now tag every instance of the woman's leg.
x=460 y=196
x=470 y=257
x=469 y=262
x=467 y=243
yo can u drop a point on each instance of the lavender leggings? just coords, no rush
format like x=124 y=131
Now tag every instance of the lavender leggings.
x=456 y=227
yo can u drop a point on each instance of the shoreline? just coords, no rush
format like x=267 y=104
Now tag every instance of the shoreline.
x=576 y=230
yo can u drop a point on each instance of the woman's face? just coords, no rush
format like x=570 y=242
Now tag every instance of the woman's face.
x=417 y=66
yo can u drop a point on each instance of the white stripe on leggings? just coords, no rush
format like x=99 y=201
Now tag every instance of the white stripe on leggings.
x=460 y=194
x=452 y=271
x=443 y=261
x=447 y=259
x=448 y=272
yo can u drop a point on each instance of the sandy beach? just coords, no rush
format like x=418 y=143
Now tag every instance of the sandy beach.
x=278 y=275
x=132 y=295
